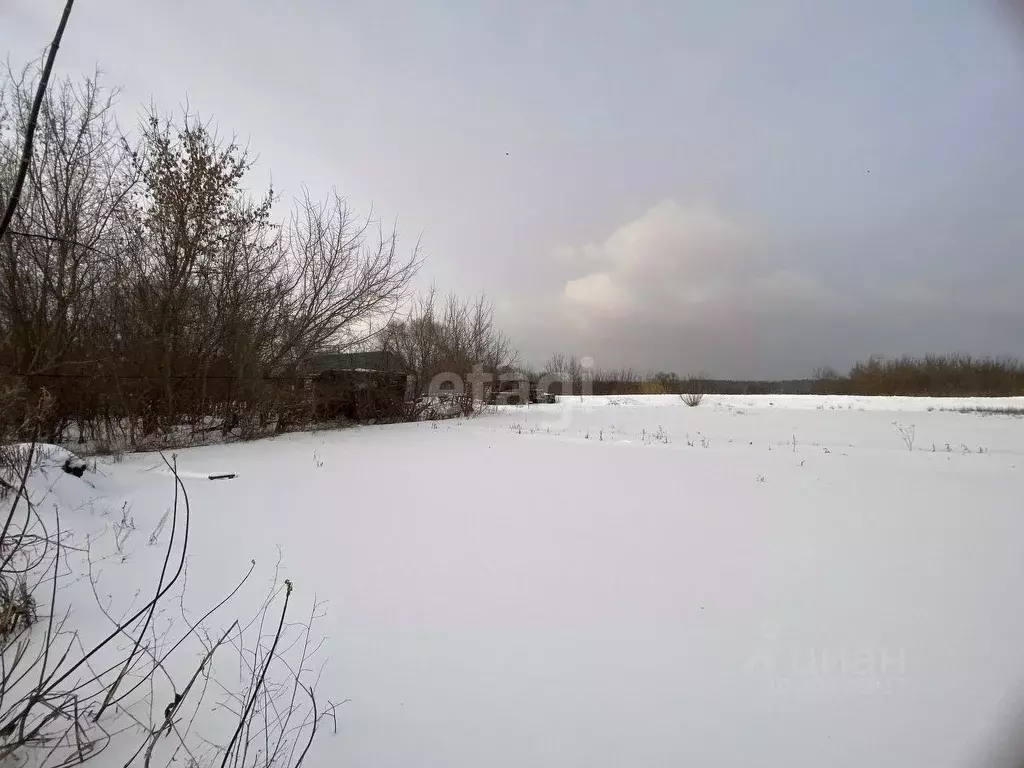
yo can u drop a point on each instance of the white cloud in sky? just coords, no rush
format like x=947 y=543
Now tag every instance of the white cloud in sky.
x=679 y=262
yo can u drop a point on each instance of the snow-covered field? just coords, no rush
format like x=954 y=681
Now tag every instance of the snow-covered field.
x=623 y=581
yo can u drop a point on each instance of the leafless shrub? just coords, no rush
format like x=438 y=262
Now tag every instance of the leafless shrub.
x=692 y=399
x=908 y=433
x=694 y=388
x=63 y=703
x=657 y=436
x=154 y=537
x=123 y=529
x=16 y=459
x=18 y=608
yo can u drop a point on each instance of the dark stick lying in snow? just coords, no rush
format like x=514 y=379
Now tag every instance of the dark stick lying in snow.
x=229 y=476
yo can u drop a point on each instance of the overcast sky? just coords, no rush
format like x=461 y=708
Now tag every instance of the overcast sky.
x=744 y=189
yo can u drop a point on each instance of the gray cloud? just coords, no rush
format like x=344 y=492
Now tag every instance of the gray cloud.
x=686 y=287
x=746 y=189
x=687 y=263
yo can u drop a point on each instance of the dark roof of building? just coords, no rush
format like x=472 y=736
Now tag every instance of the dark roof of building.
x=377 y=360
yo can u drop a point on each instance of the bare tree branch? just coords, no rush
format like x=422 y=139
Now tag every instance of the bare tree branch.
x=26 y=155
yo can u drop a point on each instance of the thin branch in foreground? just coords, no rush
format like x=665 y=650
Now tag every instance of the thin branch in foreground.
x=26 y=152
x=260 y=680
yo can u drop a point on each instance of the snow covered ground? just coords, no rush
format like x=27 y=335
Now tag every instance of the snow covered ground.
x=624 y=581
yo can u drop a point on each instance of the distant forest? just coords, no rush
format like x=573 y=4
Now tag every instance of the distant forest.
x=931 y=375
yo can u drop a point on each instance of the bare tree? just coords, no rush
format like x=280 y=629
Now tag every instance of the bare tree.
x=55 y=259
x=565 y=372
x=27 y=147
x=344 y=280
x=457 y=339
